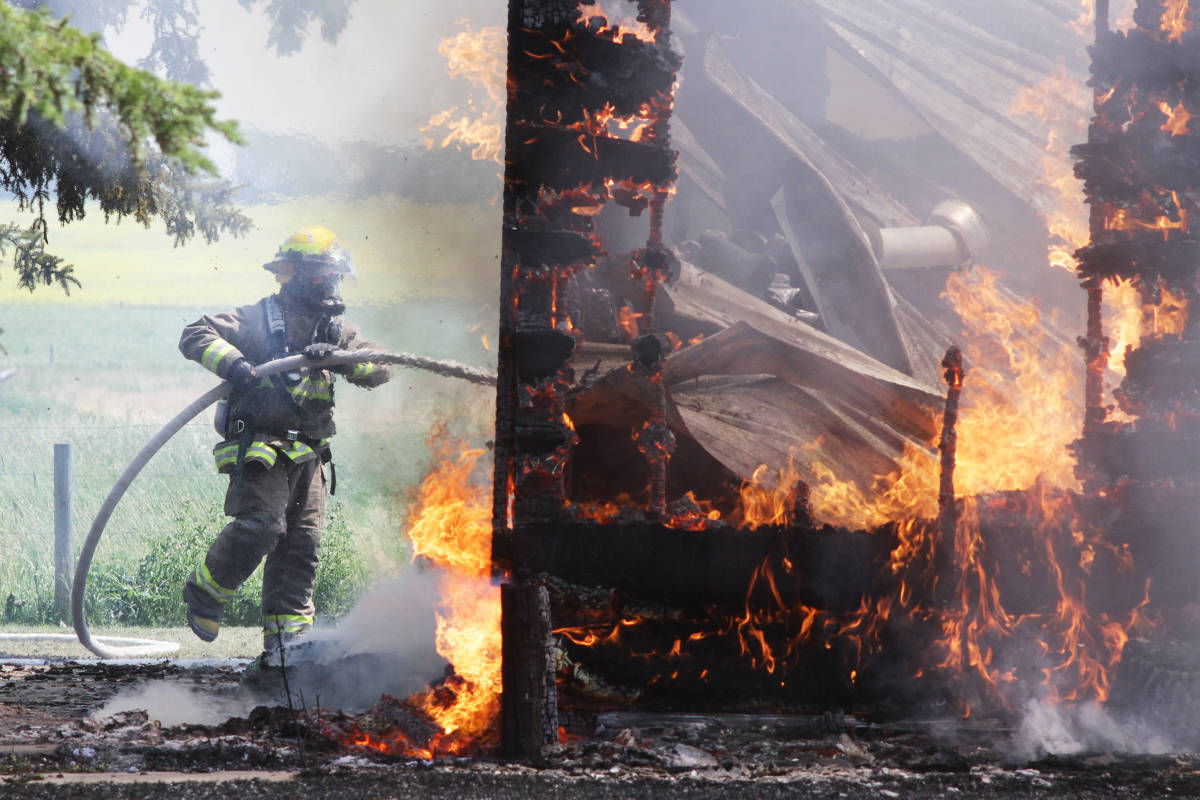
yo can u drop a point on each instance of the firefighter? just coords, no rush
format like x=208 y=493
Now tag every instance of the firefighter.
x=276 y=436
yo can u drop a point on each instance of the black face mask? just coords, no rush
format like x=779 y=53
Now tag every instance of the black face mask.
x=322 y=295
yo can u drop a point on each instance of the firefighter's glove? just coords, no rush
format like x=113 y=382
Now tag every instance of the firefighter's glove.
x=242 y=374
x=319 y=350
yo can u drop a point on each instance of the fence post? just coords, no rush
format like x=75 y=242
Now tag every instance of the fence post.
x=64 y=511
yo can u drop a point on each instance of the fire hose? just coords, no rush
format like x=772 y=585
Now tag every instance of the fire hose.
x=143 y=648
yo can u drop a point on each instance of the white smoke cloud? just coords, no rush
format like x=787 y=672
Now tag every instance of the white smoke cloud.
x=174 y=704
x=394 y=616
x=1088 y=728
x=385 y=645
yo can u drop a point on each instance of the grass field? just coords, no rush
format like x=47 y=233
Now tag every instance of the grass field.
x=106 y=378
x=233 y=642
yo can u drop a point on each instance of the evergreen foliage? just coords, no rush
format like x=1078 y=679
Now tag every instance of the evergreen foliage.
x=78 y=124
x=290 y=20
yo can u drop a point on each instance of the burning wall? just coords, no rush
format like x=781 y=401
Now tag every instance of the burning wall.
x=793 y=612
x=691 y=589
x=1139 y=165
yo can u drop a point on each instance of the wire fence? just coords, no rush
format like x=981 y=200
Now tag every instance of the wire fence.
x=172 y=497
x=180 y=492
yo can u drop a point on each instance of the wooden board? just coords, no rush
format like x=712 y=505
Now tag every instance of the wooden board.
x=748 y=422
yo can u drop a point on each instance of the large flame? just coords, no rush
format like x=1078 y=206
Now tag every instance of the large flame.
x=478 y=56
x=1025 y=392
x=1022 y=390
x=1020 y=409
x=450 y=528
x=450 y=525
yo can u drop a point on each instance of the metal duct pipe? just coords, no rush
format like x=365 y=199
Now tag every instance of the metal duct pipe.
x=955 y=235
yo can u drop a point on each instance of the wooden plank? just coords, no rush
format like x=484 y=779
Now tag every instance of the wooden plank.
x=961 y=79
x=748 y=422
x=697 y=164
x=806 y=357
x=850 y=181
x=722 y=304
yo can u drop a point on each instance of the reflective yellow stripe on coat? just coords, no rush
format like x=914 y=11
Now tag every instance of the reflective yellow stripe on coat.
x=216 y=353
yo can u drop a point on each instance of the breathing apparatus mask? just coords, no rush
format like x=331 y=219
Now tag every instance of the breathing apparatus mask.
x=320 y=293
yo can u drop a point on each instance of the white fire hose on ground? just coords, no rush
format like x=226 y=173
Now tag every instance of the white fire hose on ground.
x=114 y=647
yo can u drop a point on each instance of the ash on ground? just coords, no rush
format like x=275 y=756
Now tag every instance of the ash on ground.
x=52 y=723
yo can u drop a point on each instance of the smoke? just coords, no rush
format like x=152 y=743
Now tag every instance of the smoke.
x=174 y=704
x=395 y=616
x=385 y=645
x=1088 y=728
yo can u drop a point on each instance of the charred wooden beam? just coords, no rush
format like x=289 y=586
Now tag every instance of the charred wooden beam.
x=947 y=507
x=530 y=716
x=568 y=77
x=830 y=569
x=1140 y=167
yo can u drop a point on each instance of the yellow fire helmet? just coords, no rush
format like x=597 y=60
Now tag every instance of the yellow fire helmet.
x=315 y=250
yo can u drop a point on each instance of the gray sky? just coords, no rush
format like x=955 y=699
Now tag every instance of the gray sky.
x=380 y=82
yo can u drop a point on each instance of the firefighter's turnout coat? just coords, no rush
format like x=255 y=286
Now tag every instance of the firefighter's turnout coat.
x=275 y=447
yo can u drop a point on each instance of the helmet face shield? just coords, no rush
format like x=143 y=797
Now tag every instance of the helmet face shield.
x=314 y=250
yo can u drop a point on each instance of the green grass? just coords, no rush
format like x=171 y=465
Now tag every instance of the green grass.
x=105 y=379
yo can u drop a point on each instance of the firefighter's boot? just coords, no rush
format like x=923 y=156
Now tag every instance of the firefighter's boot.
x=205 y=598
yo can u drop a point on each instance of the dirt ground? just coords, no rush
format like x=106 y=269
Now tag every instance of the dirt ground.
x=61 y=736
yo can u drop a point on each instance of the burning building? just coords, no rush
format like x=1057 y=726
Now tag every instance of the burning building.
x=675 y=425
x=739 y=463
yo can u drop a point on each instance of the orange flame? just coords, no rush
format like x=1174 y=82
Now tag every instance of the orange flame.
x=1022 y=389
x=450 y=524
x=1174 y=21
x=625 y=24
x=478 y=56
x=1168 y=317
x=1177 y=118
x=763 y=501
x=1025 y=392
x=1122 y=321
x=627 y=319
x=1059 y=102
x=1084 y=23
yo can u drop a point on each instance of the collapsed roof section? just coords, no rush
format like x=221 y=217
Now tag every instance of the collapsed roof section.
x=831 y=163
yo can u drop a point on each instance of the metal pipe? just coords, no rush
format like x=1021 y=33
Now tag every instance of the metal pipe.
x=955 y=235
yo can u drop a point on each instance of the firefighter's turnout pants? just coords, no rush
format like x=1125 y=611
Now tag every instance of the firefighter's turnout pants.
x=278 y=513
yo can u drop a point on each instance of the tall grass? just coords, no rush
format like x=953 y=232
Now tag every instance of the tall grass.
x=106 y=379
